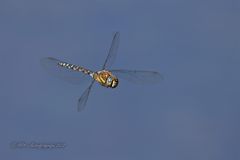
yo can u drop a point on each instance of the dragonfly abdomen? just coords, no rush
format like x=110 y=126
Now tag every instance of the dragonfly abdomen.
x=75 y=68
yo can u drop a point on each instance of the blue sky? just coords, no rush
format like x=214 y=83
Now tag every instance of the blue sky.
x=192 y=114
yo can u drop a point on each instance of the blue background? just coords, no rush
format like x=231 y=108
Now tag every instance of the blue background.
x=192 y=114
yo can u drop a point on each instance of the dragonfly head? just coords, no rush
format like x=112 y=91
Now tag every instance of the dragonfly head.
x=112 y=81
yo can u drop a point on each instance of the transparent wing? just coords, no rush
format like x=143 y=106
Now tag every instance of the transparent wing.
x=112 y=51
x=82 y=101
x=51 y=66
x=138 y=77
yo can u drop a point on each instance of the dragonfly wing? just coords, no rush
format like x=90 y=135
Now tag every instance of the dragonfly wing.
x=82 y=101
x=74 y=77
x=138 y=77
x=112 y=51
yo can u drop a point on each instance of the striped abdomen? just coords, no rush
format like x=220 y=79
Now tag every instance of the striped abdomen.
x=76 y=68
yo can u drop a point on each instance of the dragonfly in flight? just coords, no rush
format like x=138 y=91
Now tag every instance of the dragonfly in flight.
x=105 y=77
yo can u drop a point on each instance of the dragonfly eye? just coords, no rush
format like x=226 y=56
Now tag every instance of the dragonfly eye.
x=109 y=80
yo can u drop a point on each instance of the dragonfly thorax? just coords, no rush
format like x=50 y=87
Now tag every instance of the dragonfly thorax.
x=106 y=79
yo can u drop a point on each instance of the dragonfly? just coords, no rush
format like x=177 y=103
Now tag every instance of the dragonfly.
x=106 y=77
